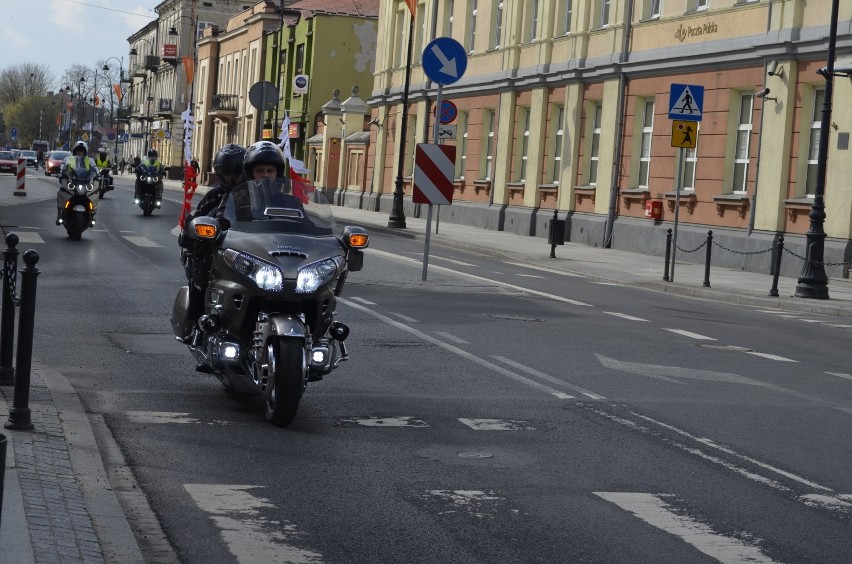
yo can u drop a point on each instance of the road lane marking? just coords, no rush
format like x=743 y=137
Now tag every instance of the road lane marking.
x=413 y=262
x=625 y=316
x=458 y=262
x=404 y=317
x=840 y=375
x=544 y=268
x=363 y=301
x=690 y=334
x=476 y=503
x=839 y=325
x=606 y=283
x=406 y=421
x=547 y=377
x=529 y=276
x=812 y=320
x=653 y=509
x=771 y=356
x=249 y=535
x=496 y=424
x=453 y=338
x=141 y=241
x=160 y=417
x=839 y=502
x=455 y=350
x=29 y=237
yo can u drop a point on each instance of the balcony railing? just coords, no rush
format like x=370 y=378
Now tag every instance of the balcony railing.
x=225 y=103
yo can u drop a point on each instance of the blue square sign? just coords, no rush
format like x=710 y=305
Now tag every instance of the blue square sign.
x=686 y=102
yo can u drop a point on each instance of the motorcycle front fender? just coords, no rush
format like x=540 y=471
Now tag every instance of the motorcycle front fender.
x=284 y=325
x=79 y=208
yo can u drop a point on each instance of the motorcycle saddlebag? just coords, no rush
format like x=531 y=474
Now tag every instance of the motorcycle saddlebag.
x=181 y=325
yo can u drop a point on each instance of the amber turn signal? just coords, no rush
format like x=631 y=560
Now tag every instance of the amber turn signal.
x=205 y=231
x=358 y=240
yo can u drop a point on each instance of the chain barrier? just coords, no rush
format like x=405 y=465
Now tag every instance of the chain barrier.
x=745 y=252
x=698 y=248
x=849 y=263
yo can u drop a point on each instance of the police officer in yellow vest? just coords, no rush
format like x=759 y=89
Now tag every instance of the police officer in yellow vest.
x=152 y=161
x=104 y=169
x=76 y=160
x=102 y=161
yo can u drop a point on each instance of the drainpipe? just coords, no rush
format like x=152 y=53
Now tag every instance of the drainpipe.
x=616 y=164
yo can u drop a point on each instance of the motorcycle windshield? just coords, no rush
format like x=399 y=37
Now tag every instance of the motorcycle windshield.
x=80 y=174
x=147 y=170
x=278 y=206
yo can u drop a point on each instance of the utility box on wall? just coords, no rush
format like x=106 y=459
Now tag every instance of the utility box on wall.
x=654 y=209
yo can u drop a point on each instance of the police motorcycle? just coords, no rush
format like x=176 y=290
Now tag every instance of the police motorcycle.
x=278 y=264
x=149 y=187
x=104 y=182
x=76 y=199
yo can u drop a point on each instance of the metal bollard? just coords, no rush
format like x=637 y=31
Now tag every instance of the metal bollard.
x=773 y=292
x=19 y=413
x=7 y=318
x=707 y=259
x=3 y=443
x=555 y=233
x=668 y=254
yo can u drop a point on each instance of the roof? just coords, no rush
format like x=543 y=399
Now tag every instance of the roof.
x=362 y=8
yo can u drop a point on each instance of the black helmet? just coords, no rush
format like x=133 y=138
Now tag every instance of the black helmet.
x=229 y=161
x=152 y=153
x=263 y=152
x=81 y=145
x=103 y=154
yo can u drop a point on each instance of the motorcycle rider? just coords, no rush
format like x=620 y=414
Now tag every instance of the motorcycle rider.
x=79 y=158
x=104 y=167
x=264 y=160
x=151 y=161
x=228 y=166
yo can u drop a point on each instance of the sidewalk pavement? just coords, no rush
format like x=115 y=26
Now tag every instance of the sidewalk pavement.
x=57 y=503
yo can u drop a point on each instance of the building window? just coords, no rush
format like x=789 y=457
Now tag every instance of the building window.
x=565 y=19
x=410 y=144
x=701 y=5
x=604 y=6
x=300 y=58
x=420 y=35
x=594 y=150
x=813 y=146
x=654 y=7
x=533 y=29
x=449 y=8
x=471 y=33
x=199 y=30
x=645 y=150
x=498 y=24
x=741 y=157
x=461 y=146
x=489 y=124
x=690 y=162
x=557 y=144
x=524 y=144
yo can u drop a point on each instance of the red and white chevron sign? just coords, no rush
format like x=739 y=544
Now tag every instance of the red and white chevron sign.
x=434 y=169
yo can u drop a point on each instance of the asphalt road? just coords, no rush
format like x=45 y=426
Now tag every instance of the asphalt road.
x=494 y=413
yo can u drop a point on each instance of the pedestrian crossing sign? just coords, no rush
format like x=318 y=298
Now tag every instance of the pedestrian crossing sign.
x=686 y=102
x=684 y=134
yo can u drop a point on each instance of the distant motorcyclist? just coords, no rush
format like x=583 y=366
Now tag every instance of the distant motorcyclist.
x=105 y=168
x=151 y=164
x=79 y=158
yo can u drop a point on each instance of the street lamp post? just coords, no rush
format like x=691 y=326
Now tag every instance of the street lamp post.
x=813 y=281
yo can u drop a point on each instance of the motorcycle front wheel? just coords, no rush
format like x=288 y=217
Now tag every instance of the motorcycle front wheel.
x=286 y=379
x=77 y=226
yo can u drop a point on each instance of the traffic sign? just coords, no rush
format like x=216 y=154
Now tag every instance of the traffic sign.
x=447 y=132
x=684 y=134
x=449 y=112
x=434 y=169
x=444 y=60
x=686 y=102
x=13 y=133
x=263 y=95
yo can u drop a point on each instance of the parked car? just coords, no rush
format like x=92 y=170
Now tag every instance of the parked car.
x=31 y=156
x=8 y=162
x=53 y=161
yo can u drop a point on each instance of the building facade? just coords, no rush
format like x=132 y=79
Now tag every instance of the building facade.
x=565 y=106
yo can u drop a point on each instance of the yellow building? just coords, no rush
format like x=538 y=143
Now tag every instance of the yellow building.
x=565 y=105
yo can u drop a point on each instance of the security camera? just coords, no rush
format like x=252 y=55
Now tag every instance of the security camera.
x=771 y=68
x=763 y=93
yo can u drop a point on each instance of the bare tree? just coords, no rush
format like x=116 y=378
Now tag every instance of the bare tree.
x=24 y=80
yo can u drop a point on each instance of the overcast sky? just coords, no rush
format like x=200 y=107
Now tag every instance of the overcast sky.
x=61 y=33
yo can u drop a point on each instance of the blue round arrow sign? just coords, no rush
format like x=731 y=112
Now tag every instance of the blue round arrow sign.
x=444 y=60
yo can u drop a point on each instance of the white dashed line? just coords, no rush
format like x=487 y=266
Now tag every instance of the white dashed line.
x=771 y=356
x=363 y=301
x=625 y=316
x=404 y=317
x=141 y=241
x=840 y=375
x=453 y=338
x=690 y=334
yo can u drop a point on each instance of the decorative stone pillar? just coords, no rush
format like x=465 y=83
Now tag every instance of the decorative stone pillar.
x=327 y=175
x=354 y=111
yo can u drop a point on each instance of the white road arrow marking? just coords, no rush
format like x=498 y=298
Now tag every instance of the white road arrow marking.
x=448 y=65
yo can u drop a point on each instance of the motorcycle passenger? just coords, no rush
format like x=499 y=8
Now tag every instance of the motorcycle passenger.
x=79 y=158
x=151 y=161
x=228 y=166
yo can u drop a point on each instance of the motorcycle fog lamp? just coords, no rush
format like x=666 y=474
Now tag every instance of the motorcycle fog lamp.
x=230 y=352
x=315 y=275
x=318 y=357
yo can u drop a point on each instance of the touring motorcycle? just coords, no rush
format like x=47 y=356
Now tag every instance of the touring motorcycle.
x=149 y=188
x=104 y=181
x=276 y=266
x=76 y=198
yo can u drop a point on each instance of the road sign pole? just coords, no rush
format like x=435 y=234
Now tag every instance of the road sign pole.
x=678 y=182
x=426 y=242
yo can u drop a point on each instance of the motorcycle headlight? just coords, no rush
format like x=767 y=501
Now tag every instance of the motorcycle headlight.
x=267 y=276
x=315 y=275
